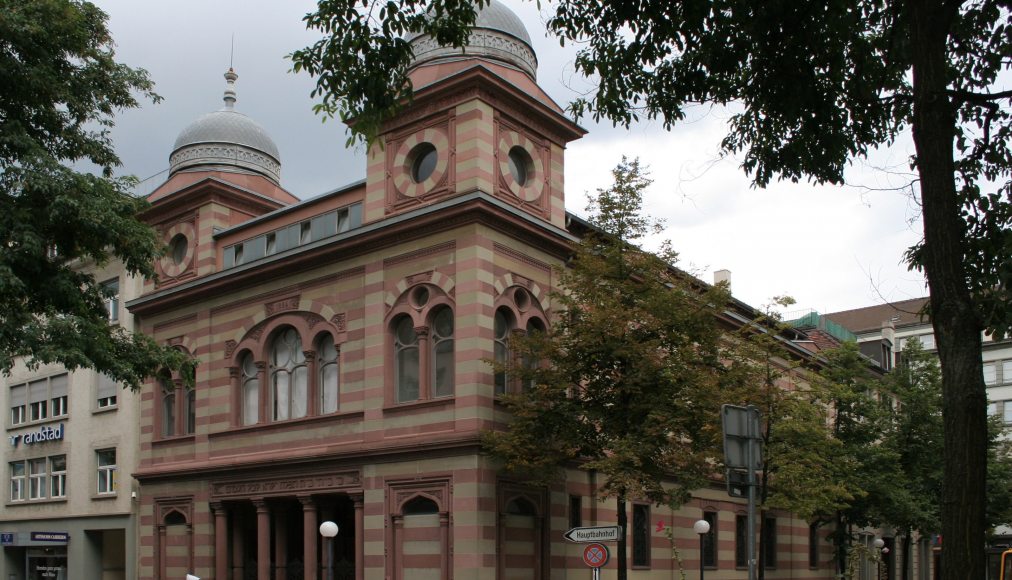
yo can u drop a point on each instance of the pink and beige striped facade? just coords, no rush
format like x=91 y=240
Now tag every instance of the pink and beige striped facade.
x=406 y=482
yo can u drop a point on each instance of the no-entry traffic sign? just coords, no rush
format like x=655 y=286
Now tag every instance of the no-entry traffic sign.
x=595 y=555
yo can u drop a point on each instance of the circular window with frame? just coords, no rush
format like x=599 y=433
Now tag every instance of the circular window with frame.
x=520 y=166
x=179 y=249
x=420 y=162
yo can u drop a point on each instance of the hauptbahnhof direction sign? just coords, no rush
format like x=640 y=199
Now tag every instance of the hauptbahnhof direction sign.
x=594 y=534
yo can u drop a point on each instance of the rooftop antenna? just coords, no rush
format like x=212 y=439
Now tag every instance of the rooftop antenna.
x=231 y=54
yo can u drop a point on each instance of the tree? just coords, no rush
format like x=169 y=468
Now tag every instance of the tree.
x=860 y=423
x=816 y=85
x=805 y=469
x=59 y=89
x=916 y=436
x=631 y=367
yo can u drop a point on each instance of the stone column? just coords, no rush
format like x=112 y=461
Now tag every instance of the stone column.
x=220 y=541
x=310 y=535
x=265 y=390
x=263 y=539
x=159 y=551
x=235 y=395
x=397 y=562
x=424 y=363
x=313 y=387
x=444 y=544
x=358 y=500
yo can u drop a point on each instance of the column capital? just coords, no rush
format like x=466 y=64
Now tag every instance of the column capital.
x=307 y=502
x=217 y=507
x=357 y=499
x=260 y=503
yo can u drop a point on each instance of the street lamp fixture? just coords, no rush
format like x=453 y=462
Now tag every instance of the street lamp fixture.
x=328 y=530
x=701 y=527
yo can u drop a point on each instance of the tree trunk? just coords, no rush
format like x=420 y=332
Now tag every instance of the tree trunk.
x=761 y=566
x=953 y=315
x=905 y=564
x=620 y=506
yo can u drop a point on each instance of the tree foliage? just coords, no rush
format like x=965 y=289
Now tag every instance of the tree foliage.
x=814 y=85
x=59 y=89
x=629 y=383
x=631 y=365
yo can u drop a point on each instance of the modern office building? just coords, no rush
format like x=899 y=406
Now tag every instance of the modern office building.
x=71 y=445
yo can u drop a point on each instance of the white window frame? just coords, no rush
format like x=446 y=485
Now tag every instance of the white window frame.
x=38 y=481
x=18 y=482
x=993 y=365
x=112 y=302
x=57 y=478
x=106 y=472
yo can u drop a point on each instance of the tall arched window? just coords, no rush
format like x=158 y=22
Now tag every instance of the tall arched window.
x=406 y=369
x=289 y=376
x=534 y=327
x=329 y=377
x=168 y=407
x=501 y=329
x=250 y=391
x=442 y=353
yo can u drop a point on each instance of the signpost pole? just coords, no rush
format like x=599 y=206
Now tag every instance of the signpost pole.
x=750 y=461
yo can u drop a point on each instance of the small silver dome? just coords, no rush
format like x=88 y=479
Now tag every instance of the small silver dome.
x=226 y=138
x=499 y=34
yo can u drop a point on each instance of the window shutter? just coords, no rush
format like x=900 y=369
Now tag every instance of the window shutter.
x=106 y=387
x=58 y=386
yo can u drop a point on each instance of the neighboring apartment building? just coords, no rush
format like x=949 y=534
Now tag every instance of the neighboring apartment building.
x=885 y=328
x=69 y=454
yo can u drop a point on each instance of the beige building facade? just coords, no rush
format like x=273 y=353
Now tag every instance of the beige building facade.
x=69 y=453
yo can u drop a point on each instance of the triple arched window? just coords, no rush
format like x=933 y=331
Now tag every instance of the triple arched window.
x=294 y=382
x=424 y=356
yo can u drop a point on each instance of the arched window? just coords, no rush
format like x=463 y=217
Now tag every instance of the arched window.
x=501 y=328
x=168 y=407
x=191 y=411
x=250 y=391
x=289 y=376
x=442 y=353
x=328 y=377
x=406 y=369
x=420 y=505
x=534 y=327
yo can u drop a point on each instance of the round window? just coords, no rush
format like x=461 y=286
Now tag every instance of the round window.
x=423 y=160
x=421 y=296
x=520 y=165
x=177 y=248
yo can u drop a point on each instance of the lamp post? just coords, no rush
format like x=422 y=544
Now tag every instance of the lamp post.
x=879 y=545
x=328 y=530
x=701 y=527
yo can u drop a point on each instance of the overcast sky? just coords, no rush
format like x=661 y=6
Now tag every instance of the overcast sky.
x=831 y=248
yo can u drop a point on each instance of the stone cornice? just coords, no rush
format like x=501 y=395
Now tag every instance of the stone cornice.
x=476 y=207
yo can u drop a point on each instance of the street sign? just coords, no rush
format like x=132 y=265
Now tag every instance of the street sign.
x=595 y=555
x=6 y=539
x=741 y=432
x=737 y=482
x=594 y=534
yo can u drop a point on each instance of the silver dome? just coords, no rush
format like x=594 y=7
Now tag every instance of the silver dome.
x=499 y=34
x=226 y=138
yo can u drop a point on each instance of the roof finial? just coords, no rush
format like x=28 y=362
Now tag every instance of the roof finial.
x=230 y=78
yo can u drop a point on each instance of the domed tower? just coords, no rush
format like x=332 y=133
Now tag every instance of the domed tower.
x=499 y=35
x=224 y=169
x=226 y=140
x=478 y=123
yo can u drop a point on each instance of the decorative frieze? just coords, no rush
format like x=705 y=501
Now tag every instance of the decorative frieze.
x=286 y=486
